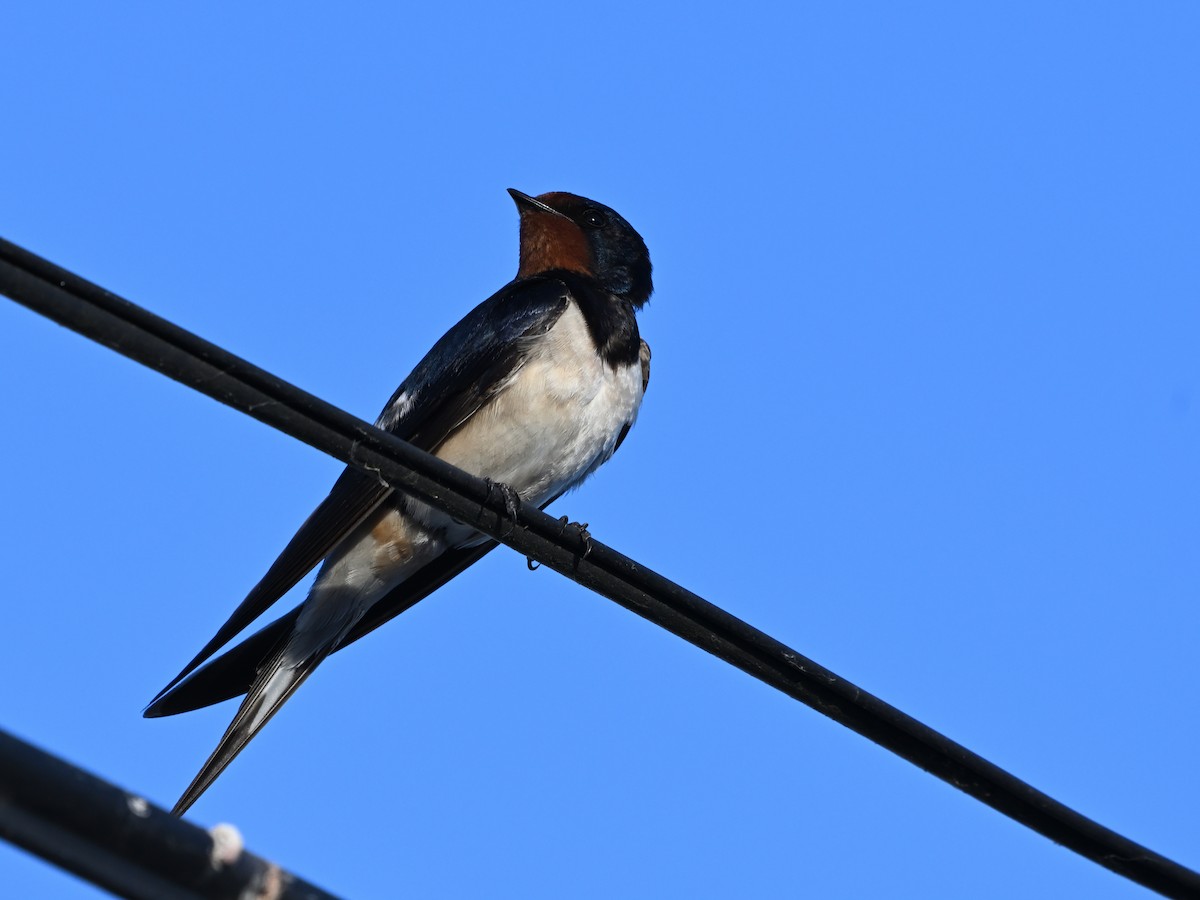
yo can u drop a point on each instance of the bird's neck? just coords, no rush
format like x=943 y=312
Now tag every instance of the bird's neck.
x=610 y=318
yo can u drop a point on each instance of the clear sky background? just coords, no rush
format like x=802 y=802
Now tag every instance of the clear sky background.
x=925 y=406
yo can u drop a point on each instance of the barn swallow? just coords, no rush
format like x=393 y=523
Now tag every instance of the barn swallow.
x=534 y=389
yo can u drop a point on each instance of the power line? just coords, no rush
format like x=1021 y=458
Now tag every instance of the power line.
x=155 y=342
x=122 y=843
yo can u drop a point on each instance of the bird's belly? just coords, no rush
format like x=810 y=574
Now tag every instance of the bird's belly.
x=556 y=420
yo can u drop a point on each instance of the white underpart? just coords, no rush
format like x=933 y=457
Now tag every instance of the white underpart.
x=555 y=421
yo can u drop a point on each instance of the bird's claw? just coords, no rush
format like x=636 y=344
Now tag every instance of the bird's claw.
x=585 y=536
x=512 y=500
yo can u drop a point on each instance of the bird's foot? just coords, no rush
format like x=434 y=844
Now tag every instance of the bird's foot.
x=512 y=500
x=585 y=536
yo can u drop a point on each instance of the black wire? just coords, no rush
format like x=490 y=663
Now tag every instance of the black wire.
x=119 y=841
x=144 y=337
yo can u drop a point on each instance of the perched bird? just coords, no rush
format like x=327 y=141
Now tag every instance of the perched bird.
x=534 y=389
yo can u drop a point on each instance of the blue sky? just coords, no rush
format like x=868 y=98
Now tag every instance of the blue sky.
x=925 y=406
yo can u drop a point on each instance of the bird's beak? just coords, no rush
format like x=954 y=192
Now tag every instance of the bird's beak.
x=525 y=200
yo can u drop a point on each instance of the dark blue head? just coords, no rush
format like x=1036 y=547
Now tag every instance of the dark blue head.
x=565 y=231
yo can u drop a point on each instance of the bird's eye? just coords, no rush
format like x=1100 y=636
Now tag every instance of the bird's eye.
x=593 y=218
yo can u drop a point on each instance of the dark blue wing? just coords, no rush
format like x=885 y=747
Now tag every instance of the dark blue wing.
x=471 y=361
x=456 y=377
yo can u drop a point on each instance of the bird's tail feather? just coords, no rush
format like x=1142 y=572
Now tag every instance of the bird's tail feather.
x=276 y=682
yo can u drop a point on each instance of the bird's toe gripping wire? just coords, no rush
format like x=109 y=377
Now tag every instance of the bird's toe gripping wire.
x=585 y=536
x=512 y=500
x=585 y=541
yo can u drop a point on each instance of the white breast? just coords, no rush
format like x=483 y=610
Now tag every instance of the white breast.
x=556 y=420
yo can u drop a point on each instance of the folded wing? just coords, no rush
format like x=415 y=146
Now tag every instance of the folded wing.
x=472 y=361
